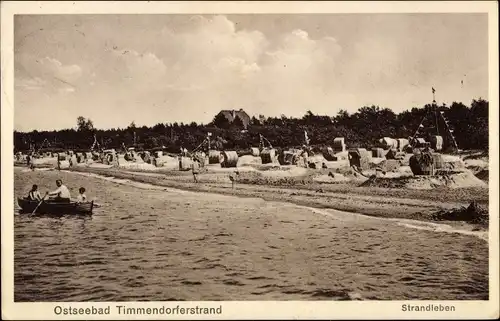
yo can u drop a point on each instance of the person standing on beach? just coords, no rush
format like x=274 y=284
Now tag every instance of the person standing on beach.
x=61 y=194
x=195 y=167
x=29 y=160
x=233 y=177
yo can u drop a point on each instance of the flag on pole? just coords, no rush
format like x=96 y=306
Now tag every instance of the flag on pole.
x=433 y=90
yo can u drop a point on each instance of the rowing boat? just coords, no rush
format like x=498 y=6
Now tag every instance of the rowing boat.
x=47 y=207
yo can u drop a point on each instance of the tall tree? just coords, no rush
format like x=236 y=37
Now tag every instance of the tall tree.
x=237 y=123
x=221 y=121
x=84 y=124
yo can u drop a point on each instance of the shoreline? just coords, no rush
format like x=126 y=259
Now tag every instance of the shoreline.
x=394 y=203
x=417 y=205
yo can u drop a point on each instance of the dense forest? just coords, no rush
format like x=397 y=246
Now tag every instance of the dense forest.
x=360 y=129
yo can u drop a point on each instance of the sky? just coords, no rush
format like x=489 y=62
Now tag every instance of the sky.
x=149 y=69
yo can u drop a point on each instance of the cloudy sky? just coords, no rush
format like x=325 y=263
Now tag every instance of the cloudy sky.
x=115 y=69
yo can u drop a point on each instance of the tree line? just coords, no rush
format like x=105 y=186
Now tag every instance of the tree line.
x=360 y=129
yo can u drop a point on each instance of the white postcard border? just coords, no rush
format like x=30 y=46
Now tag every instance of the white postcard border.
x=243 y=309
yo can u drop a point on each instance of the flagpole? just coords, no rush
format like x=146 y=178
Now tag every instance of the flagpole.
x=414 y=137
x=418 y=128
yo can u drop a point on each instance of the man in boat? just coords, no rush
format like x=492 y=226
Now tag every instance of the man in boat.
x=34 y=195
x=61 y=194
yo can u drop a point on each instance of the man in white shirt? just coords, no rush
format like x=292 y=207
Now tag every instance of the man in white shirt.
x=61 y=194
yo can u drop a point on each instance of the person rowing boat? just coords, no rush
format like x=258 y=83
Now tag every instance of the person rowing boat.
x=61 y=194
x=34 y=194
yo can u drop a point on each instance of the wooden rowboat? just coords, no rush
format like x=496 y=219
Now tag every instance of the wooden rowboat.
x=48 y=207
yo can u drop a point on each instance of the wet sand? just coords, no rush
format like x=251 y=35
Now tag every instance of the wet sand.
x=373 y=201
x=147 y=243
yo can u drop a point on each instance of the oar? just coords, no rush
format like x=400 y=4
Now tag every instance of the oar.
x=47 y=193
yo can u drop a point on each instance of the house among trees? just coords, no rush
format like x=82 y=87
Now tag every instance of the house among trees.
x=234 y=115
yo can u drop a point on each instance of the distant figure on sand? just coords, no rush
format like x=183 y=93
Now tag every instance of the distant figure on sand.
x=29 y=161
x=61 y=194
x=233 y=176
x=34 y=195
x=195 y=167
x=81 y=198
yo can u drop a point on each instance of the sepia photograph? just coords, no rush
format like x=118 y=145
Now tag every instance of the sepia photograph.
x=230 y=156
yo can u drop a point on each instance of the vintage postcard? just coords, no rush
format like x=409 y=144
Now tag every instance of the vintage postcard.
x=249 y=160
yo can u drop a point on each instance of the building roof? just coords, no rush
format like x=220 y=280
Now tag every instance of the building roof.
x=231 y=115
x=227 y=112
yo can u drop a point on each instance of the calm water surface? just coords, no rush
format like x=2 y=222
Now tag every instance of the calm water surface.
x=166 y=245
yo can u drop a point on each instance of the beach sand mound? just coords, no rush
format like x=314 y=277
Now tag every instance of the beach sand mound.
x=335 y=164
x=404 y=171
x=99 y=165
x=483 y=175
x=483 y=155
x=138 y=166
x=479 y=167
x=476 y=163
x=451 y=162
x=284 y=176
x=246 y=160
x=386 y=165
x=441 y=180
x=218 y=169
x=81 y=165
x=331 y=178
x=163 y=161
x=266 y=167
x=375 y=161
x=44 y=162
x=476 y=169
x=289 y=171
x=351 y=174
x=474 y=214
x=464 y=178
x=41 y=169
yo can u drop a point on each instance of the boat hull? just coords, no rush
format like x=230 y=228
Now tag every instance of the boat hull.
x=28 y=206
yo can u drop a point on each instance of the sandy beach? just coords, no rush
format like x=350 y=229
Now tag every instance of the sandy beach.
x=302 y=190
x=156 y=242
